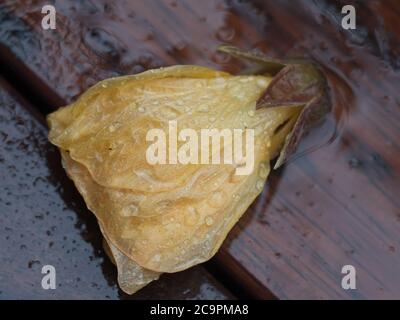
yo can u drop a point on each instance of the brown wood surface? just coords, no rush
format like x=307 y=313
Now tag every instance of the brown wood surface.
x=337 y=202
x=44 y=221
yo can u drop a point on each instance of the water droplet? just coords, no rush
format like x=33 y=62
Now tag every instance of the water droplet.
x=156 y=257
x=220 y=81
x=130 y=210
x=355 y=163
x=204 y=109
x=187 y=109
x=209 y=221
x=163 y=206
x=260 y=184
x=263 y=171
x=225 y=34
x=262 y=83
x=217 y=199
x=164 y=221
x=141 y=109
x=169 y=113
x=98 y=157
x=191 y=216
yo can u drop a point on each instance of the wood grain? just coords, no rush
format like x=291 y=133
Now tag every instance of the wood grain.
x=44 y=221
x=333 y=205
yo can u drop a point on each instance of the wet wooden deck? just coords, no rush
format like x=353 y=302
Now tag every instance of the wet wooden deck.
x=335 y=205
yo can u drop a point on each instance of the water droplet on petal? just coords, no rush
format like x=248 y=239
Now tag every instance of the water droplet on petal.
x=98 y=157
x=263 y=171
x=209 y=221
x=262 y=83
x=191 y=216
x=130 y=210
x=156 y=257
x=217 y=199
x=204 y=109
x=220 y=81
x=260 y=184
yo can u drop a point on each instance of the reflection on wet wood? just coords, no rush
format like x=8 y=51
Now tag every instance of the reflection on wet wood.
x=44 y=221
x=334 y=205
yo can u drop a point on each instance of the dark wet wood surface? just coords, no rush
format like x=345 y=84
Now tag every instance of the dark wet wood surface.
x=44 y=221
x=337 y=203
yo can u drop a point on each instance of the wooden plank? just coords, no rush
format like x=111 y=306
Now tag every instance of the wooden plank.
x=337 y=204
x=44 y=221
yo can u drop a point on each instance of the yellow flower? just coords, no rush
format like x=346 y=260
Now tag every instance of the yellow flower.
x=167 y=217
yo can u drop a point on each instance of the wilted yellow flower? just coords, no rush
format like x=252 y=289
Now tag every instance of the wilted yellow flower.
x=167 y=217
